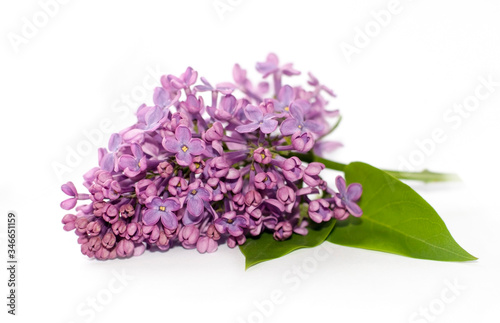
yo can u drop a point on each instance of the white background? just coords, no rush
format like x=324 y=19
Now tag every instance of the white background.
x=74 y=71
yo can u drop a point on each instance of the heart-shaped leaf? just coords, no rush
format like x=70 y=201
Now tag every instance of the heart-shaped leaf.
x=395 y=219
x=264 y=247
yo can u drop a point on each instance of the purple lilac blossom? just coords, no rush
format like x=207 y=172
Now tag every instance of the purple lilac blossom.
x=207 y=165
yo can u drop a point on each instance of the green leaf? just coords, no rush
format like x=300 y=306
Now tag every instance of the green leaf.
x=395 y=219
x=264 y=247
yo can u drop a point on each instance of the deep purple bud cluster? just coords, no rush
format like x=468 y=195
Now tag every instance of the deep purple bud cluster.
x=197 y=175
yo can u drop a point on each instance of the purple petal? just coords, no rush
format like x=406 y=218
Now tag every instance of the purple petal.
x=303 y=105
x=139 y=249
x=205 y=81
x=107 y=162
x=202 y=244
x=306 y=190
x=153 y=116
x=70 y=226
x=354 y=191
x=326 y=146
x=225 y=88
x=286 y=94
x=141 y=112
x=240 y=221
x=206 y=87
x=223 y=115
x=196 y=146
x=269 y=126
x=190 y=76
x=114 y=141
x=332 y=114
x=101 y=152
x=133 y=135
x=283 y=194
x=171 y=145
x=263 y=87
x=269 y=66
x=289 y=126
x=189 y=218
x=266 y=68
x=195 y=205
x=275 y=203
x=247 y=127
x=313 y=126
x=154 y=203
x=186 y=76
x=354 y=209
x=176 y=83
x=192 y=101
x=340 y=183
x=137 y=151
x=212 y=245
x=301 y=231
x=239 y=74
x=296 y=111
x=69 y=189
x=314 y=168
x=160 y=97
x=221 y=225
x=227 y=103
x=203 y=194
x=183 y=134
x=253 y=113
x=151 y=217
x=289 y=70
x=169 y=220
x=68 y=204
x=229 y=215
x=172 y=204
x=203 y=88
x=184 y=158
x=69 y=218
x=272 y=58
x=234 y=230
x=233 y=173
x=127 y=161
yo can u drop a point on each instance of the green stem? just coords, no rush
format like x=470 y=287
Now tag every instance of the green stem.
x=424 y=176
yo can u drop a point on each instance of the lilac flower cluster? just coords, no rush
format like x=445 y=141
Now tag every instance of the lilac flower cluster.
x=197 y=175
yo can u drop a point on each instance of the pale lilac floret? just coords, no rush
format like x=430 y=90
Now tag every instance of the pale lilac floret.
x=262 y=155
x=227 y=108
x=258 y=119
x=231 y=223
x=133 y=164
x=297 y=122
x=149 y=119
x=346 y=199
x=283 y=231
x=302 y=142
x=162 y=209
x=195 y=199
x=108 y=160
x=293 y=169
x=320 y=211
x=311 y=174
x=162 y=98
x=265 y=180
x=184 y=146
x=271 y=65
x=285 y=98
x=187 y=79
